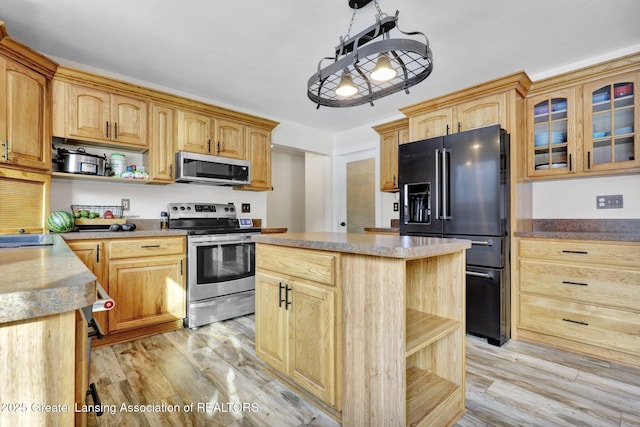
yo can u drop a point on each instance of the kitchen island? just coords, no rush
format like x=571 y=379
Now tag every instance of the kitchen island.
x=370 y=326
x=41 y=290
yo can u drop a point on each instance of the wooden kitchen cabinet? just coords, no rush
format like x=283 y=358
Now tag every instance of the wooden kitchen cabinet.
x=25 y=106
x=258 y=152
x=91 y=114
x=23 y=121
x=584 y=122
x=391 y=136
x=201 y=133
x=160 y=158
x=297 y=323
x=92 y=254
x=581 y=295
x=25 y=201
x=146 y=281
x=493 y=102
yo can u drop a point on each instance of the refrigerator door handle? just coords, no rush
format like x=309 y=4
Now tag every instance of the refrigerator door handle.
x=437 y=186
x=482 y=242
x=445 y=186
x=476 y=274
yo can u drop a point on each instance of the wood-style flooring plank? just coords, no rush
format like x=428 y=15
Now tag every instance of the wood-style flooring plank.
x=519 y=384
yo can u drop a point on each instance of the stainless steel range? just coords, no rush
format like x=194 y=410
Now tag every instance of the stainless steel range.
x=220 y=261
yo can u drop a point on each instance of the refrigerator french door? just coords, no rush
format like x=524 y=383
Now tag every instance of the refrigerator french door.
x=457 y=186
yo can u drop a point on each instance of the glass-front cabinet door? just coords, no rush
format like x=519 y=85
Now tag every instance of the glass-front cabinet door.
x=551 y=133
x=611 y=121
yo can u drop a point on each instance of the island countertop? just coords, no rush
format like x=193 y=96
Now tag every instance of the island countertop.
x=405 y=247
x=43 y=280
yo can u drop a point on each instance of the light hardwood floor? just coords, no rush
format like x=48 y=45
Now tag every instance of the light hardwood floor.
x=215 y=369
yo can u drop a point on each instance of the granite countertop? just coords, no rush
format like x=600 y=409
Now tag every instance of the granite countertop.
x=44 y=280
x=406 y=247
x=620 y=230
x=88 y=235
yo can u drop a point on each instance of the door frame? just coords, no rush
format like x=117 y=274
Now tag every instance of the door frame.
x=340 y=185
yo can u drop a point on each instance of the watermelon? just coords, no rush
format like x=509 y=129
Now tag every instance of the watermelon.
x=60 y=221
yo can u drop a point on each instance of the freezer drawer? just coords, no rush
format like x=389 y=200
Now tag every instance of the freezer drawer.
x=485 y=251
x=488 y=304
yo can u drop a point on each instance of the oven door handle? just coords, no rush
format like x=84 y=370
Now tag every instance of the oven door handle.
x=104 y=301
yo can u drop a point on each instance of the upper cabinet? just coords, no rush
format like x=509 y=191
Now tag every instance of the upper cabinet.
x=493 y=102
x=93 y=110
x=90 y=114
x=584 y=122
x=391 y=136
x=551 y=135
x=610 y=121
x=25 y=106
x=258 y=151
x=201 y=133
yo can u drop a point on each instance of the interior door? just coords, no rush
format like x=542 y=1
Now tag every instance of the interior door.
x=361 y=206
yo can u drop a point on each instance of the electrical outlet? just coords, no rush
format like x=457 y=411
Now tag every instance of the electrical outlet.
x=609 y=202
x=246 y=207
x=395 y=206
x=126 y=204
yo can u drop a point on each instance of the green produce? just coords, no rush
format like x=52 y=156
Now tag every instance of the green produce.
x=60 y=221
x=85 y=213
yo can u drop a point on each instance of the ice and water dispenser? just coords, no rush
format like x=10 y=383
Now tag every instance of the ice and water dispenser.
x=417 y=203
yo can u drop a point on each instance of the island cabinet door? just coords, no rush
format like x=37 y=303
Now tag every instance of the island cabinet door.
x=312 y=333
x=271 y=321
x=147 y=291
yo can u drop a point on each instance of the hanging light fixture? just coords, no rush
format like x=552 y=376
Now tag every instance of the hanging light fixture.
x=364 y=69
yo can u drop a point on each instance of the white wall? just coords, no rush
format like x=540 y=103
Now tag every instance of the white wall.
x=286 y=203
x=576 y=198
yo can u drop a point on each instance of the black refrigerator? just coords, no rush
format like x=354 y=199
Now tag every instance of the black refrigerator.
x=457 y=186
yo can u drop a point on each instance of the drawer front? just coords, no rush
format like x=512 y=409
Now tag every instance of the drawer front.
x=616 y=287
x=134 y=248
x=305 y=264
x=620 y=253
x=608 y=328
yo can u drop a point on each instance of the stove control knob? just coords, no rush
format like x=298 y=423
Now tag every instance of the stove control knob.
x=188 y=208
x=181 y=208
x=231 y=209
x=175 y=208
x=226 y=209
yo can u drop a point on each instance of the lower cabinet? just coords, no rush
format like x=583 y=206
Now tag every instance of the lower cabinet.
x=581 y=295
x=146 y=279
x=297 y=326
x=300 y=339
x=147 y=291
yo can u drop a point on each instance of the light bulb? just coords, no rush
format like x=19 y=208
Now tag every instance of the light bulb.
x=383 y=71
x=346 y=88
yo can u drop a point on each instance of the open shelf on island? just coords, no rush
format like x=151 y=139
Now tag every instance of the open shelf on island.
x=425 y=393
x=424 y=329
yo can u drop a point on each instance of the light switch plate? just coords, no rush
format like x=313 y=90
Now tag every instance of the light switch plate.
x=609 y=202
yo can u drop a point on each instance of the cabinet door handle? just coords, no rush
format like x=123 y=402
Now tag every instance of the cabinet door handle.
x=570 y=163
x=209 y=146
x=394 y=181
x=280 y=300
x=6 y=149
x=566 y=282
x=115 y=130
x=218 y=147
x=459 y=127
x=578 y=322
x=181 y=272
x=171 y=171
x=286 y=296
x=149 y=246
x=566 y=251
x=588 y=159
x=106 y=128
x=447 y=130
x=97 y=253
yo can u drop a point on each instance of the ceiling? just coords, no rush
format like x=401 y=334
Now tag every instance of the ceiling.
x=257 y=56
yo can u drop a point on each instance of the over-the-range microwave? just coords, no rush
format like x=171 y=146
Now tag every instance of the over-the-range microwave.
x=213 y=170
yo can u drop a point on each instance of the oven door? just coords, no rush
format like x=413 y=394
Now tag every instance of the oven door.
x=220 y=264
